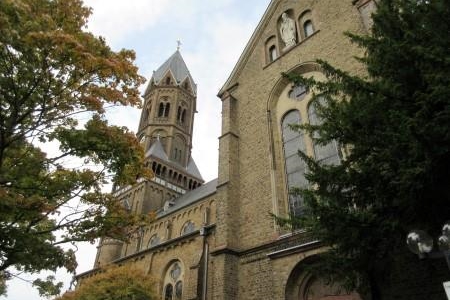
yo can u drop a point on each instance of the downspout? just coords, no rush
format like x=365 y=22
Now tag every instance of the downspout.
x=204 y=232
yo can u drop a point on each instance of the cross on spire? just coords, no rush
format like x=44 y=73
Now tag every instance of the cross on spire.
x=179 y=44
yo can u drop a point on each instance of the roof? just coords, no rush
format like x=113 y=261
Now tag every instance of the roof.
x=193 y=170
x=191 y=197
x=177 y=67
x=156 y=150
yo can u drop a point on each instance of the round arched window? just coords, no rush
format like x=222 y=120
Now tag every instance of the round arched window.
x=173 y=281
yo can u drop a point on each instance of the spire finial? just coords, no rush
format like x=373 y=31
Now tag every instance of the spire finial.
x=179 y=44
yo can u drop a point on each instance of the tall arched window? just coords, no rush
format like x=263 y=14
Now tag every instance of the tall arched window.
x=308 y=28
x=161 y=110
x=179 y=113
x=295 y=167
x=273 y=53
x=326 y=154
x=167 y=110
x=183 y=116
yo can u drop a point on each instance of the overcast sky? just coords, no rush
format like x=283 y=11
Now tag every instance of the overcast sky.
x=214 y=34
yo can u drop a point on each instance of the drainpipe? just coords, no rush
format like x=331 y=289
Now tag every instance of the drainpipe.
x=203 y=232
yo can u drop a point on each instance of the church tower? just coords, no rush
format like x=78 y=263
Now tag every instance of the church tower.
x=165 y=129
x=165 y=132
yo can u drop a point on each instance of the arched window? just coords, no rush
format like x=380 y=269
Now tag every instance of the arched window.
x=179 y=113
x=154 y=241
x=188 y=227
x=325 y=154
x=167 y=110
x=183 y=116
x=271 y=49
x=168 y=294
x=273 y=53
x=168 y=80
x=293 y=141
x=161 y=109
x=173 y=288
x=308 y=28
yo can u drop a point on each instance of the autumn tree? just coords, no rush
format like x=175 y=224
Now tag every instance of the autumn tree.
x=116 y=283
x=54 y=73
x=393 y=124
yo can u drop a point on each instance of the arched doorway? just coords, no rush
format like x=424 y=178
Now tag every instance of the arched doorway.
x=302 y=285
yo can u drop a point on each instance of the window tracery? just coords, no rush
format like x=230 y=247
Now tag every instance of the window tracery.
x=173 y=282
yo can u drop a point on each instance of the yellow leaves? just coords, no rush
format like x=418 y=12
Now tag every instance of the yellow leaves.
x=115 y=282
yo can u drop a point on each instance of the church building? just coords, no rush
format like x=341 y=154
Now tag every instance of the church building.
x=217 y=240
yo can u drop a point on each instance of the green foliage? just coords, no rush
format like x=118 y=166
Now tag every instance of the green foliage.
x=115 y=282
x=51 y=71
x=393 y=125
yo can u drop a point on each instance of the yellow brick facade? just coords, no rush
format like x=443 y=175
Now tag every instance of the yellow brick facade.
x=236 y=250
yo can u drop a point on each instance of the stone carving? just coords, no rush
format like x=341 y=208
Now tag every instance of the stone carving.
x=287 y=31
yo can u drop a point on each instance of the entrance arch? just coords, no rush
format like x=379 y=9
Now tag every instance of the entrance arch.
x=302 y=285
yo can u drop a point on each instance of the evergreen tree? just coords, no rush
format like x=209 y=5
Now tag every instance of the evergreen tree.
x=393 y=124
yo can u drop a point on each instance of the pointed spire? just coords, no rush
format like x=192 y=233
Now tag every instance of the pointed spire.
x=178 y=69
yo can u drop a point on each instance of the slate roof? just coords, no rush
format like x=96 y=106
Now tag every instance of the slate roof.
x=193 y=170
x=176 y=65
x=157 y=150
x=191 y=197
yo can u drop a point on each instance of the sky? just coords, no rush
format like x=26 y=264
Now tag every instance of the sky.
x=213 y=35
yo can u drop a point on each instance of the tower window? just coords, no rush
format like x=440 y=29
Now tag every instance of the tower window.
x=161 y=109
x=183 y=116
x=168 y=80
x=167 y=110
x=308 y=28
x=179 y=113
x=164 y=109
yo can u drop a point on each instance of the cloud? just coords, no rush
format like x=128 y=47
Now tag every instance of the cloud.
x=117 y=19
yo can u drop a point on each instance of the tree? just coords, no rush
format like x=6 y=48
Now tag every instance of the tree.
x=117 y=283
x=393 y=124
x=54 y=73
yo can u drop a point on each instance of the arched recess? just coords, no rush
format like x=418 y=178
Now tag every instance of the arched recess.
x=272 y=52
x=282 y=99
x=291 y=17
x=306 y=24
x=303 y=285
x=179 y=149
x=173 y=280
